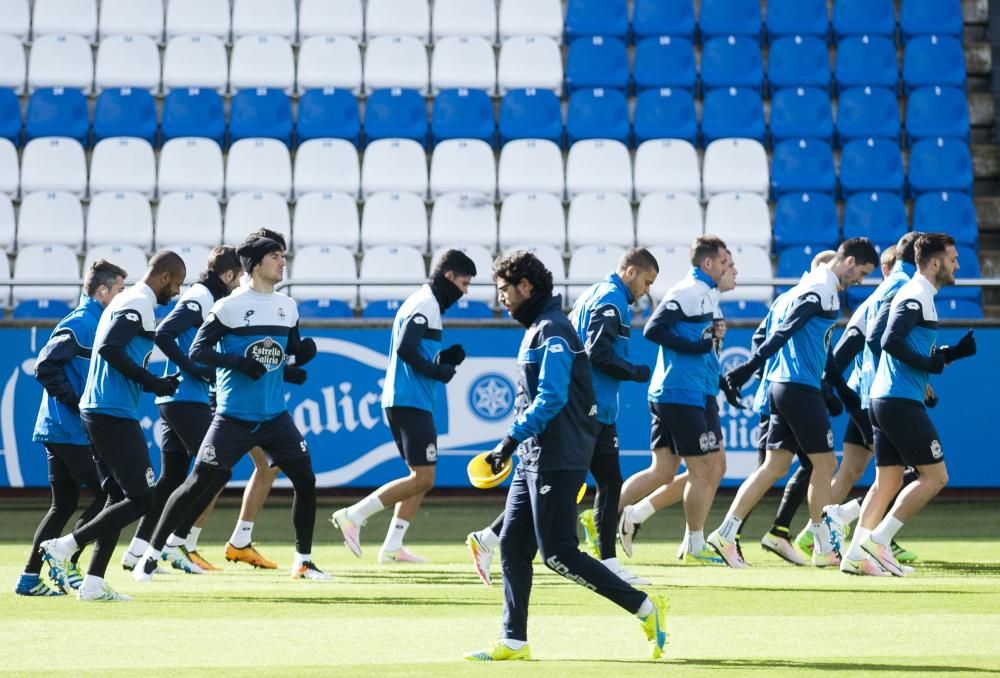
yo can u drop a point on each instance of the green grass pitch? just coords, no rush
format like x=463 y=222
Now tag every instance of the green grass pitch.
x=773 y=619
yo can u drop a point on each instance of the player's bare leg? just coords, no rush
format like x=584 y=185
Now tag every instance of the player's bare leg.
x=661 y=471
x=852 y=467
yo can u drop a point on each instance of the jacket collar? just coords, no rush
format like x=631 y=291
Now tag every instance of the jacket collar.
x=699 y=274
x=91 y=305
x=617 y=281
x=925 y=284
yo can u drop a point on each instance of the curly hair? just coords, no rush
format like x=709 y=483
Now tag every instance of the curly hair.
x=521 y=265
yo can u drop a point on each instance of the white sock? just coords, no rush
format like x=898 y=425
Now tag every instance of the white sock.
x=138 y=546
x=92 y=583
x=641 y=512
x=645 y=609
x=730 y=527
x=886 y=530
x=364 y=509
x=488 y=539
x=612 y=564
x=243 y=534
x=152 y=553
x=301 y=558
x=695 y=540
x=192 y=539
x=173 y=541
x=855 y=552
x=67 y=545
x=821 y=537
x=394 y=537
x=513 y=644
x=850 y=511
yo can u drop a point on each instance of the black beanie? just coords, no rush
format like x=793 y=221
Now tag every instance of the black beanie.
x=254 y=249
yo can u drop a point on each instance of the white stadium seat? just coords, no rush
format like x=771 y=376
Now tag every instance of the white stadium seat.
x=530 y=17
x=195 y=61
x=71 y=17
x=600 y=218
x=129 y=257
x=464 y=17
x=668 y=219
x=123 y=164
x=329 y=61
x=463 y=218
x=482 y=288
x=326 y=219
x=465 y=166
x=188 y=218
x=463 y=62
x=15 y=18
x=127 y=61
x=122 y=217
x=54 y=164
x=132 y=17
x=669 y=165
x=391 y=262
x=259 y=165
x=598 y=165
x=750 y=262
x=248 y=211
x=262 y=61
x=327 y=165
x=194 y=257
x=46 y=262
x=532 y=218
x=398 y=17
x=13 y=65
x=257 y=17
x=10 y=169
x=4 y=276
x=394 y=219
x=395 y=61
x=322 y=17
x=54 y=217
x=550 y=257
x=190 y=164
x=739 y=219
x=530 y=61
x=532 y=165
x=61 y=61
x=674 y=262
x=394 y=165
x=198 y=17
x=7 y=223
x=735 y=165
x=593 y=263
x=324 y=261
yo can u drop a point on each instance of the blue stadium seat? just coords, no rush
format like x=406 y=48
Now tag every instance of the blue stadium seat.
x=530 y=114
x=732 y=61
x=263 y=113
x=597 y=114
x=10 y=116
x=866 y=60
x=664 y=61
x=655 y=18
x=585 y=18
x=797 y=17
x=803 y=166
x=128 y=112
x=806 y=219
x=328 y=114
x=470 y=309
x=968 y=262
x=382 y=308
x=57 y=112
x=864 y=112
x=732 y=112
x=864 y=17
x=665 y=114
x=793 y=262
x=871 y=165
x=193 y=113
x=743 y=309
x=41 y=309
x=940 y=165
x=729 y=17
x=931 y=17
x=944 y=211
x=798 y=61
x=937 y=112
x=931 y=60
x=396 y=113
x=880 y=217
x=965 y=309
x=325 y=308
x=801 y=113
x=597 y=61
x=463 y=114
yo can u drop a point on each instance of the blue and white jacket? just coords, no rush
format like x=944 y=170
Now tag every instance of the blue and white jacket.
x=416 y=340
x=909 y=343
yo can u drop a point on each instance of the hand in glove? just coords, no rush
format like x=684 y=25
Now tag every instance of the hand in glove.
x=738 y=376
x=250 y=367
x=847 y=396
x=70 y=401
x=965 y=347
x=295 y=375
x=833 y=404
x=453 y=355
x=930 y=397
x=162 y=386
x=733 y=395
x=306 y=352
x=501 y=453
x=445 y=372
x=642 y=373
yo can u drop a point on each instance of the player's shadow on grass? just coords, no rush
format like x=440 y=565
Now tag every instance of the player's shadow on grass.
x=831 y=592
x=314 y=599
x=951 y=567
x=819 y=665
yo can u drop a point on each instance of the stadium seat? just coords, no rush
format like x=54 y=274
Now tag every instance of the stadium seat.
x=127 y=61
x=190 y=164
x=668 y=219
x=123 y=164
x=128 y=112
x=793 y=262
x=261 y=113
x=939 y=165
x=410 y=18
x=530 y=114
x=188 y=218
x=392 y=218
x=880 y=217
x=120 y=217
x=131 y=258
x=324 y=301
x=132 y=17
x=666 y=165
x=327 y=165
x=864 y=17
x=394 y=165
x=797 y=17
x=590 y=262
x=532 y=218
x=12 y=63
x=951 y=212
x=329 y=61
x=550 y=257
x=871 y=165
x=530 y=17
x=328 y=114
x=968 y=263
x=192 y=112
x=262 y=61
x=749 y=300
x=464 y=114
x=453 y=18
x=598 y=114
x=195 y=61
x=732 y=61
x=588 y=18
x=529 y=61
x=482 y=292
x=803 y=165
x=596 y=218
x=259 y=17
x=531 y=165
x=70 y=17
x=664 y=61
x=864 y=112
x=463 y=166
x=665 y=114
x=653 y=18
x=15 y=21
x=396 y=114
x=54 y=164
x=805 y=219
x=259 y=165
x=596 y=61
x=194 y=257
x=931 y=17
x=395 y=61
x=10 y=170
x=742 y=308
x=463 y=218
x=739 y=219
x=61 y=61
x=937 y=112
x=249 y=210
x=198 y=17
x=866 y=60
x=7 y=226
x=390 y=262
x=735 y=165
x=322 y=18
x=798 y=61
x=732 y=113
x=966 y=309
x=598 y=165
x=326 y=219
x=801 y=113
x=465 y=61
x=930 y=60
x=53 y=217
x=675 y=258
x=46 y=262
x=57 y=112
x=729 y=17
x=855 y=295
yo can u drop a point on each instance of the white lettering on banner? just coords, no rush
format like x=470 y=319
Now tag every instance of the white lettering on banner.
x=309 y=417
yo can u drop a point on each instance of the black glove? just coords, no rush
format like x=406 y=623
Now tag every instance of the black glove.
x=206 y=374
x=833 y=404
x=162 y=386
x=294 y=374
x=453 y=355
x=965 y=347
x=851 y=400
x=738 y=376
x=445 y=372
x=733 y=395
x=306 y=352
x=250 y=367
x=70 y=401
x=931 y=401
x=501 y=453
x=642 y=373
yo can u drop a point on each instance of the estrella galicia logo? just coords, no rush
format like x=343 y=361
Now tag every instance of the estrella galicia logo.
x=267 y=352
x=491 y=396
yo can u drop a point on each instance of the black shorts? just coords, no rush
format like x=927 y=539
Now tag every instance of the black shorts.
x=799 y=420
x=74 y=463
x=762 y=426
x=687 y=430
x=859 y=431
x=607 y=440
x=121 y=453
x=183 y=426
x=904 y=434
x=228 y=439
x=414 y=433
